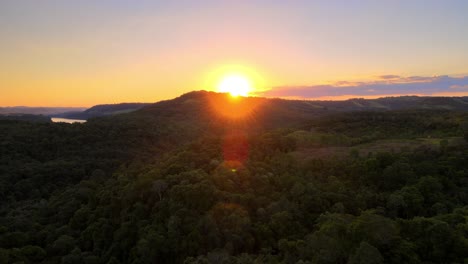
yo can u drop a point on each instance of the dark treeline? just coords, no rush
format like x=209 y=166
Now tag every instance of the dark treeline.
x=169 y=185
x=26 y=117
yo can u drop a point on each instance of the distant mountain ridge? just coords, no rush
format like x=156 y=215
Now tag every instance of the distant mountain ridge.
x=400 y=103
x=26 y=117
x=103 y=110
x=38 y=110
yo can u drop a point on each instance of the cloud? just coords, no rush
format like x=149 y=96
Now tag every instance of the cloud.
x=384 y=85
x=459 y=87
x=388 y=76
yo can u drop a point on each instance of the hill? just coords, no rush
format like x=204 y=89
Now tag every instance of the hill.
x=102 y=110
x=207 y=178
x=389 y=103
x=25 y=117
x=409 y=102
x=38 y=110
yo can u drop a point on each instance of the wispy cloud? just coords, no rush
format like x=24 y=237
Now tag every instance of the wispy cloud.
x=383 y=85
x=388 y=76
x=460 y=87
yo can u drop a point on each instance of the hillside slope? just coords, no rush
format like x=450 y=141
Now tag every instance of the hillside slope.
x=102 y=110
x=38 y=110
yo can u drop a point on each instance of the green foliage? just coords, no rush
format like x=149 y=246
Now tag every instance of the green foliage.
x=33 y=253
x=4 y=258
x=366 y=254
x=155 y=186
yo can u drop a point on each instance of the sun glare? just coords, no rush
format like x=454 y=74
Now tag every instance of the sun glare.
x=235 y=85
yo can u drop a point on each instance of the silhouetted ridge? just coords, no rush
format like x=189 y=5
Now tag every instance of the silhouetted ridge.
x=103 y=110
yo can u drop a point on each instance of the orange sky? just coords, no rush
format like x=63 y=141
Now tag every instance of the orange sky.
x=87 y=52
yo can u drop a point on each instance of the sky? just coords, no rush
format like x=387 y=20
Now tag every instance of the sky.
x=82 y=53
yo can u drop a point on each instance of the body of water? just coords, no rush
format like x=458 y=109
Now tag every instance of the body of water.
x=66 y=120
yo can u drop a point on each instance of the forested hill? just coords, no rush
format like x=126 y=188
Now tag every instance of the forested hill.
x=207 y=178
x=398 y=103
x=279 y=112
x=102 y=110
x=298 y=107
x=356 y=104
x=26 y=117
x=47 y=111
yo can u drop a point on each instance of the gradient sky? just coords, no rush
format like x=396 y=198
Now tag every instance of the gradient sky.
x=86 y=52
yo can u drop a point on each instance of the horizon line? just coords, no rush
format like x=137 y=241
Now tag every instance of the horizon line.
x=289 y=98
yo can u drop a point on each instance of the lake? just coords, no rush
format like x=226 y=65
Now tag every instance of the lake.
x=66 y=120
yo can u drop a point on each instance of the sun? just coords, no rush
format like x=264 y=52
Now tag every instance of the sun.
x=236 y=85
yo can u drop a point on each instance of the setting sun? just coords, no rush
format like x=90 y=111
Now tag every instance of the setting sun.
x=235 y=85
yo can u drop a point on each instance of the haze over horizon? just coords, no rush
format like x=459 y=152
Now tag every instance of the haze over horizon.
x=62 y=53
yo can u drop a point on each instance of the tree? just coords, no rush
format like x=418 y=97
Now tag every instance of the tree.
x=366 y=254
x=33 y=253
x=376 y=229
x=4 y=256
x=159 y=186
x=113 y=260
x=331 y=243
x=63 y=245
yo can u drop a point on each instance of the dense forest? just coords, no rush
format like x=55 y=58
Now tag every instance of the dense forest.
x=205 y=178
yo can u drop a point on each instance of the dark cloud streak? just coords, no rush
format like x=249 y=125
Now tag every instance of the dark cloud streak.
x=389 y=76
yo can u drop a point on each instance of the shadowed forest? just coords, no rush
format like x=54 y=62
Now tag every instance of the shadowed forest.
x=205 y=178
